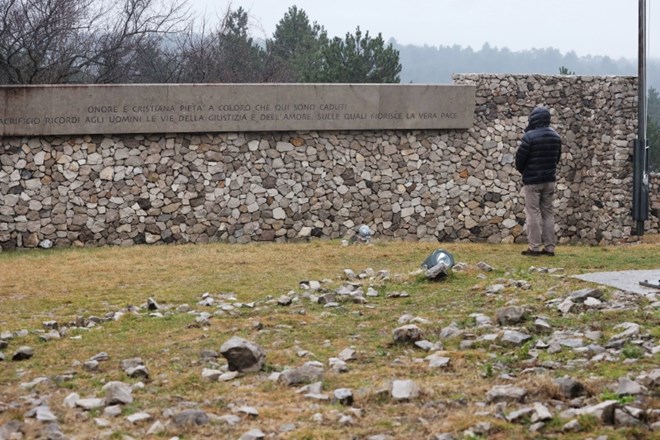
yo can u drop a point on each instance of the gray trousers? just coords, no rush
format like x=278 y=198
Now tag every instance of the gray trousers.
x=539 y=217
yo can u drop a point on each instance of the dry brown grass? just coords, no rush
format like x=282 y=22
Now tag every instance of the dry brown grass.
x=62 y=284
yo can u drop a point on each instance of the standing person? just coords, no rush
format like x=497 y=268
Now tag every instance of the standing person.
x=537 y=157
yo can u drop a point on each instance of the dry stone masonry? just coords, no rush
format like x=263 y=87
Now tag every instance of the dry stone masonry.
x=445 y=185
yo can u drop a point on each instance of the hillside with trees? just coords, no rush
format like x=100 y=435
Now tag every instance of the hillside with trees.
x=436 y=64
x=152 y=41
x=157 y=41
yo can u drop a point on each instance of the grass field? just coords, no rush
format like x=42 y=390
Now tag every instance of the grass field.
x=63 y=284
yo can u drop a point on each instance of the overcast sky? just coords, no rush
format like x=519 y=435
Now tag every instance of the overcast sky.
x=588 y=27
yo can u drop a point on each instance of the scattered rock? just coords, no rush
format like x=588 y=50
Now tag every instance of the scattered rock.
x=71 y=400
x=437 y=272
x=211 y=374
x=438 y=361
x=23 y=353
x=515 y=338
x=506 y=393
x=512 y=315
x=343 y=396
x=451 y=331
x=570 y=387
x=630 y=330
x=628 y=387
x=152 y=305
x=337 y=365
x=427 y=345
x=542 y=326
x=567 y=306
x=348 y=355
x=520 y=414
x=482 y=429
x=90 y=403
x=91 y=366
x=253 y=434
x=485 y=267
x=50 y=325
x=33 y=383
x=243 y=355
x=541 y=413
x=284 y=300
x=308 y=373
x=404 y=390
x=407 y=334
x=44 y=414
x=581 y=296
x=651 y=379
x=190 y=417
x=249 y=411
x=572 y=426
x=481 y=320
x=117 y=393
x=494 y=289
x=228 y=376
x=102 y=423
x=230 y=419
x=603 y=411
x=156 y=428
x=475 y=334
x=132 y=366
x=398 y=294
x=112 y=411
x=139 y=417
x=443 y=436
x=328 y=298
x=623 y=418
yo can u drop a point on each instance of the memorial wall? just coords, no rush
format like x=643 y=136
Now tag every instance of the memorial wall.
x=122 y=165
x=198 y=108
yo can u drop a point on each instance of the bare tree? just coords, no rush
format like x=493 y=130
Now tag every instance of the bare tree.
x=226 y=54
x=36 y=39
x=74 y=41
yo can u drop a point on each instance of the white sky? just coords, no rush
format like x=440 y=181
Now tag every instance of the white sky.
x=588 y=27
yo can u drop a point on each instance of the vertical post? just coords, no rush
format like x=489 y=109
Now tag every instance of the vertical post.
x=641 y=75
x=640 y=152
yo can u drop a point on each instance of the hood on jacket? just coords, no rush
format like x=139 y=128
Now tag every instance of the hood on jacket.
x=540 y=117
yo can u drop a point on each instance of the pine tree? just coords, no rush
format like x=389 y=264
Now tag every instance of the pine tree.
x=296 y=46
x=360 y=59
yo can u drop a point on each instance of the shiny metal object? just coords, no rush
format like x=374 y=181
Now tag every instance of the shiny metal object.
x=439 y=256
x=363 y=234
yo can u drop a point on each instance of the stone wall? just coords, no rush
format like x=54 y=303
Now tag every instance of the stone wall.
x=419 y=185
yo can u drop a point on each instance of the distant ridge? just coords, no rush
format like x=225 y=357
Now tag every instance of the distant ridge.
x=435 y=64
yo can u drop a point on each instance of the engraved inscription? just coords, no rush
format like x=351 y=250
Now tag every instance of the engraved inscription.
x=184 y=108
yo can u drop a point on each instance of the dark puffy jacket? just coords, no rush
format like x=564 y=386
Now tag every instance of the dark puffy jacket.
x=539 y=150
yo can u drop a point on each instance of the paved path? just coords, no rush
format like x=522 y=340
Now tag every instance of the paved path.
x=627 y=280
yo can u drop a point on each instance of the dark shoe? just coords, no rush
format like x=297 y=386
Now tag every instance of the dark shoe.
x=531 y=253
x=547 y=253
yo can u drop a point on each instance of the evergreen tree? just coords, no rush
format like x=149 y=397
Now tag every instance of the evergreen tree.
x=359 y=59
x=242 y=59
x=226 y=55
x=296 y=47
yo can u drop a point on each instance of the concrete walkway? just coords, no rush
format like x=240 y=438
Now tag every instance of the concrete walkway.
x=627 y=280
